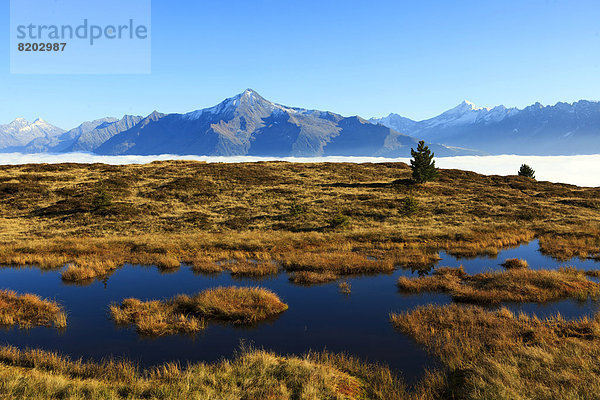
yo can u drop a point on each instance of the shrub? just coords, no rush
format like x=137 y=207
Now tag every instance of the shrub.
x=527 y=171
x=296 y=209
x=410 y=206
x=102 y=200
x=339 y=221
x=514 y=263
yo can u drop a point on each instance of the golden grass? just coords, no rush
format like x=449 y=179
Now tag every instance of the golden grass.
x=342 y=263
x=515 y=285
x=185 y=314
x=87 y=269
x=500 y=355
x=28 y=310
x=345 y=288
x=252 y=269
x=312 y=278
x=205 y=266
x=252 y=374
x=155 y=318
x=242 y=212
x=515 y=263
x=595 y=273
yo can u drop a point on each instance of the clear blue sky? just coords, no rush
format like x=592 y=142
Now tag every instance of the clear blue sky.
x=368 y=58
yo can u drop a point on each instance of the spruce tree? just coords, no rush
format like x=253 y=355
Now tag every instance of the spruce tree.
x=527 y=171
x=422 y=164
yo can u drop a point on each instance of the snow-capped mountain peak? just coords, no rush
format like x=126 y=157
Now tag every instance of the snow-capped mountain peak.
x=20 y=132
x=248 y=100
x=467 y=106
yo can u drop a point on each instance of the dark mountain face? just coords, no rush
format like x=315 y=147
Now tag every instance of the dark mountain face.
x=60 y=143
x=90 y=140
x=247 y=124
x=563 y=129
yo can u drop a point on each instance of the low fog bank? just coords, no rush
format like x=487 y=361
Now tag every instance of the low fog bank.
x=577 y=170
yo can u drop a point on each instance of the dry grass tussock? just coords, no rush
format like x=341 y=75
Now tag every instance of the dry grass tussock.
x=252 y=374
x=187 y=314
x=28 y=310
x=514 y=285
x=515 y=263
x=500 y=355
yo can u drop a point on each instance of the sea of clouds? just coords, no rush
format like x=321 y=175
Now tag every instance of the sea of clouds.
x=576 y=170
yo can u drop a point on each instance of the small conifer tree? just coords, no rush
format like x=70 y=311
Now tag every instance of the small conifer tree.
x=102 y=200
x=422 y=164
x=527 y=171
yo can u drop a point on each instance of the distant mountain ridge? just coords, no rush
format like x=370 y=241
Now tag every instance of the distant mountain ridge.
x=562 y=129
x=248 y=124
x=20 y=132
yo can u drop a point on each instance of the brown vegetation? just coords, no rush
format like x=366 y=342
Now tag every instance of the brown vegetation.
x=515 y=285
x=252 y=374
x=515 y=263
x=345 y=288
x=242 y=212
x=86 y=269
x=499 y=355
x=312 y=278
x=255 y=269
x=185 y=314
x=28 y=310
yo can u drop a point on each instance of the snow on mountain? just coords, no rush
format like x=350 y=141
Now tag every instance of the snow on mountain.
x=248 y=124
x=562 y=129
x=20 y=132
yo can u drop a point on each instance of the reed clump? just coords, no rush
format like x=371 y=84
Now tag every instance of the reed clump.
x=28 y=310
x=188 y=314
x=515 y=263
x=155 y=318
x=88 y=269
x=514 y=285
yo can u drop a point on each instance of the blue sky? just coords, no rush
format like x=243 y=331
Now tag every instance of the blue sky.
x=368 y=58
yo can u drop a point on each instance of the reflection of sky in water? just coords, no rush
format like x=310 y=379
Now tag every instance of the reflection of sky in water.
x=318 y=318
x=529 y=252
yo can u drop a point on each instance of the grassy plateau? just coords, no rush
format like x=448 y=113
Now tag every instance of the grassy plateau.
x=319 y=223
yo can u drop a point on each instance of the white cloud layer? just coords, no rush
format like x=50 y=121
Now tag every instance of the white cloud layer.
x=576 y=170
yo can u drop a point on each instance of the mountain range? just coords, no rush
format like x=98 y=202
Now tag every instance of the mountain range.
x=562 y=129
x=248 y=124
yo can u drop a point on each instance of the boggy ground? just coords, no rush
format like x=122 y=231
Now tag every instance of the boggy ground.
x=185 y=314
x=337 y=218
x=318 y=222
x=500 y=355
